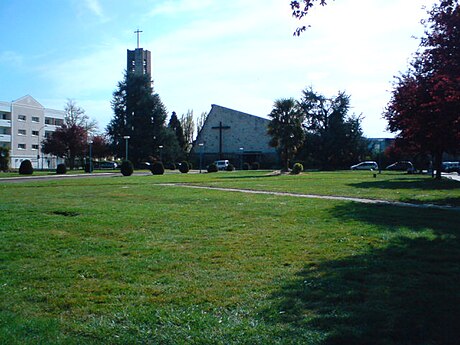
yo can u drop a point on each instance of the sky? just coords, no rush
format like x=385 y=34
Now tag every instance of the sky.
x=240 y=54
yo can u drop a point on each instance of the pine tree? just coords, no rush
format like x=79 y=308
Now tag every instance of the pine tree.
x=176 y=126
x=139 y=114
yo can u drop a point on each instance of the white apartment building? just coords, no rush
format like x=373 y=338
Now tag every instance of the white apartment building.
x=24 y=124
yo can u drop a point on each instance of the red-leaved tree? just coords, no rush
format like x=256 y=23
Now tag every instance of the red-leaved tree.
x=425 y=105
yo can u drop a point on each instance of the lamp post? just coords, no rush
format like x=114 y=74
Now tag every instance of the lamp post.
x=126 y=137
x=161 y=152
x=241 y=159
x=201 y=145
x=380 y=154
x=90 y=156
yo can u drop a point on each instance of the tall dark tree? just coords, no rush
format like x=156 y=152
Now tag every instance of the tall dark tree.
x=334 y=138
x=285 y=128
x=139 y=114
x=176 y=126
x=68 y=142
x=425 y=105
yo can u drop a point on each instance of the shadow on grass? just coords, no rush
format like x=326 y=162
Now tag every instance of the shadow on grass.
x=403 y=293
x=409 y=183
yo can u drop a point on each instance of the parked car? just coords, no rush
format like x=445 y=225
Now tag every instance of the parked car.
x=367 y=165
x=222 y=164
x=402 y=166
x=105 y=165
x=451 y=167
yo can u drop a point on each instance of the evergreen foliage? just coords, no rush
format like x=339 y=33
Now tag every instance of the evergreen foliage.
x=212 y=168
x=334 y=139
x=176 y=126
x=61 y=169
x=297 y=169
x=138 y=113
x=285 y=128
x=184 y=167
x=26 y=168
x=157 y=168
x=127 y=168
x=4 y=158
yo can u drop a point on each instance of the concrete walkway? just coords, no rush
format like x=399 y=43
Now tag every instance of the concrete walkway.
x=313 y=196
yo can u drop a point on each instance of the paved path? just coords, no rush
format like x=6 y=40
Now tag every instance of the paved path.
x=313 y=196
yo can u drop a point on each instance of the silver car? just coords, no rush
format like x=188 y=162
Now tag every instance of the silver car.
x=367 y=165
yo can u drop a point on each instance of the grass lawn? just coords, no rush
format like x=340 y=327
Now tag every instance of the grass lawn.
x=116 y=260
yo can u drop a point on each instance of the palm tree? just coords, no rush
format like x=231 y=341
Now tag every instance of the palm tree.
x=286 y=128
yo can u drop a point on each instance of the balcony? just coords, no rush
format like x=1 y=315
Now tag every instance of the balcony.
x=5 y=123
x=5 y=138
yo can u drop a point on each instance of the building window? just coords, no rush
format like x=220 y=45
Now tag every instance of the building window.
x=21 y=146
x=35 y=147
x=35 y=119
x=22 y=117
x=59 y=122
x=22 y=132
x=35 y=133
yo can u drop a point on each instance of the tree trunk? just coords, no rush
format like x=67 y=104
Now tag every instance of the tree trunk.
x=438 y=164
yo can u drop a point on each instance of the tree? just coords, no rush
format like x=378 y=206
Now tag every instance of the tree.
x=66 y=142
x=200 y=121
x=176 y=126
x=425 y=102
x=188 y=126
x=100 y=147
x=335 y=139
x=301 y=8
x=75 y=115
x=4 y=158
x=139 y=114
x=286 y=129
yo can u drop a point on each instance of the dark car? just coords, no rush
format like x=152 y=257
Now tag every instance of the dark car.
x=402 y=166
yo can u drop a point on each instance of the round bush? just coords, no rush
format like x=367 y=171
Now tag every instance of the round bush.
x=171 y=166
x=297 y=168
x=126 y=168
x=26 y=168
x=230 y=167
x=184 y=167
x=212 y=168
x=255 y=166
x=61 y=169
x=157 y=168
x=89 y=168
x=246 y=166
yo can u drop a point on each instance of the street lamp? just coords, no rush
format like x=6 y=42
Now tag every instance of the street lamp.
x=241 y=160
x=201 y=145
x=380 y=154
x=161 y=152
x=126 y=137
x=90 y=157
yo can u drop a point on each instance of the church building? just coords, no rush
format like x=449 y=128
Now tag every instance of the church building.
x=235 y=136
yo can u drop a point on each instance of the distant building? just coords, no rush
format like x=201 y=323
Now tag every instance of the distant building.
x=24 y=124
x=236 y=136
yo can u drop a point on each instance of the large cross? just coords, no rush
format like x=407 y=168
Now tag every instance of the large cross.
x=137 y=32
x=220 y=128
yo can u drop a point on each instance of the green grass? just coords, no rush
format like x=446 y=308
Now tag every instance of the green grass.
x=117 y=260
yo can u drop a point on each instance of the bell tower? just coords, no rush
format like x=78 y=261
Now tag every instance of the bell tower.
x=139 y=60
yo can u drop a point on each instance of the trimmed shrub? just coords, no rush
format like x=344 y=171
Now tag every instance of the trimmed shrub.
x=230 y=167
x=157 y=168
x=255 y=166
x=246 y=166
x=297 y=168
x=184 y=167
x=171 y=166
x=89 y=168
x=61 y=169
x=127 y=168
x=26 y=168
x=212 y=168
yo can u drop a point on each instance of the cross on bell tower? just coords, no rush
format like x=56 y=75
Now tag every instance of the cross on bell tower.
x=139 y=60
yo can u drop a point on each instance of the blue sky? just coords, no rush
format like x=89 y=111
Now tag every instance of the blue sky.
x=235 y=53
